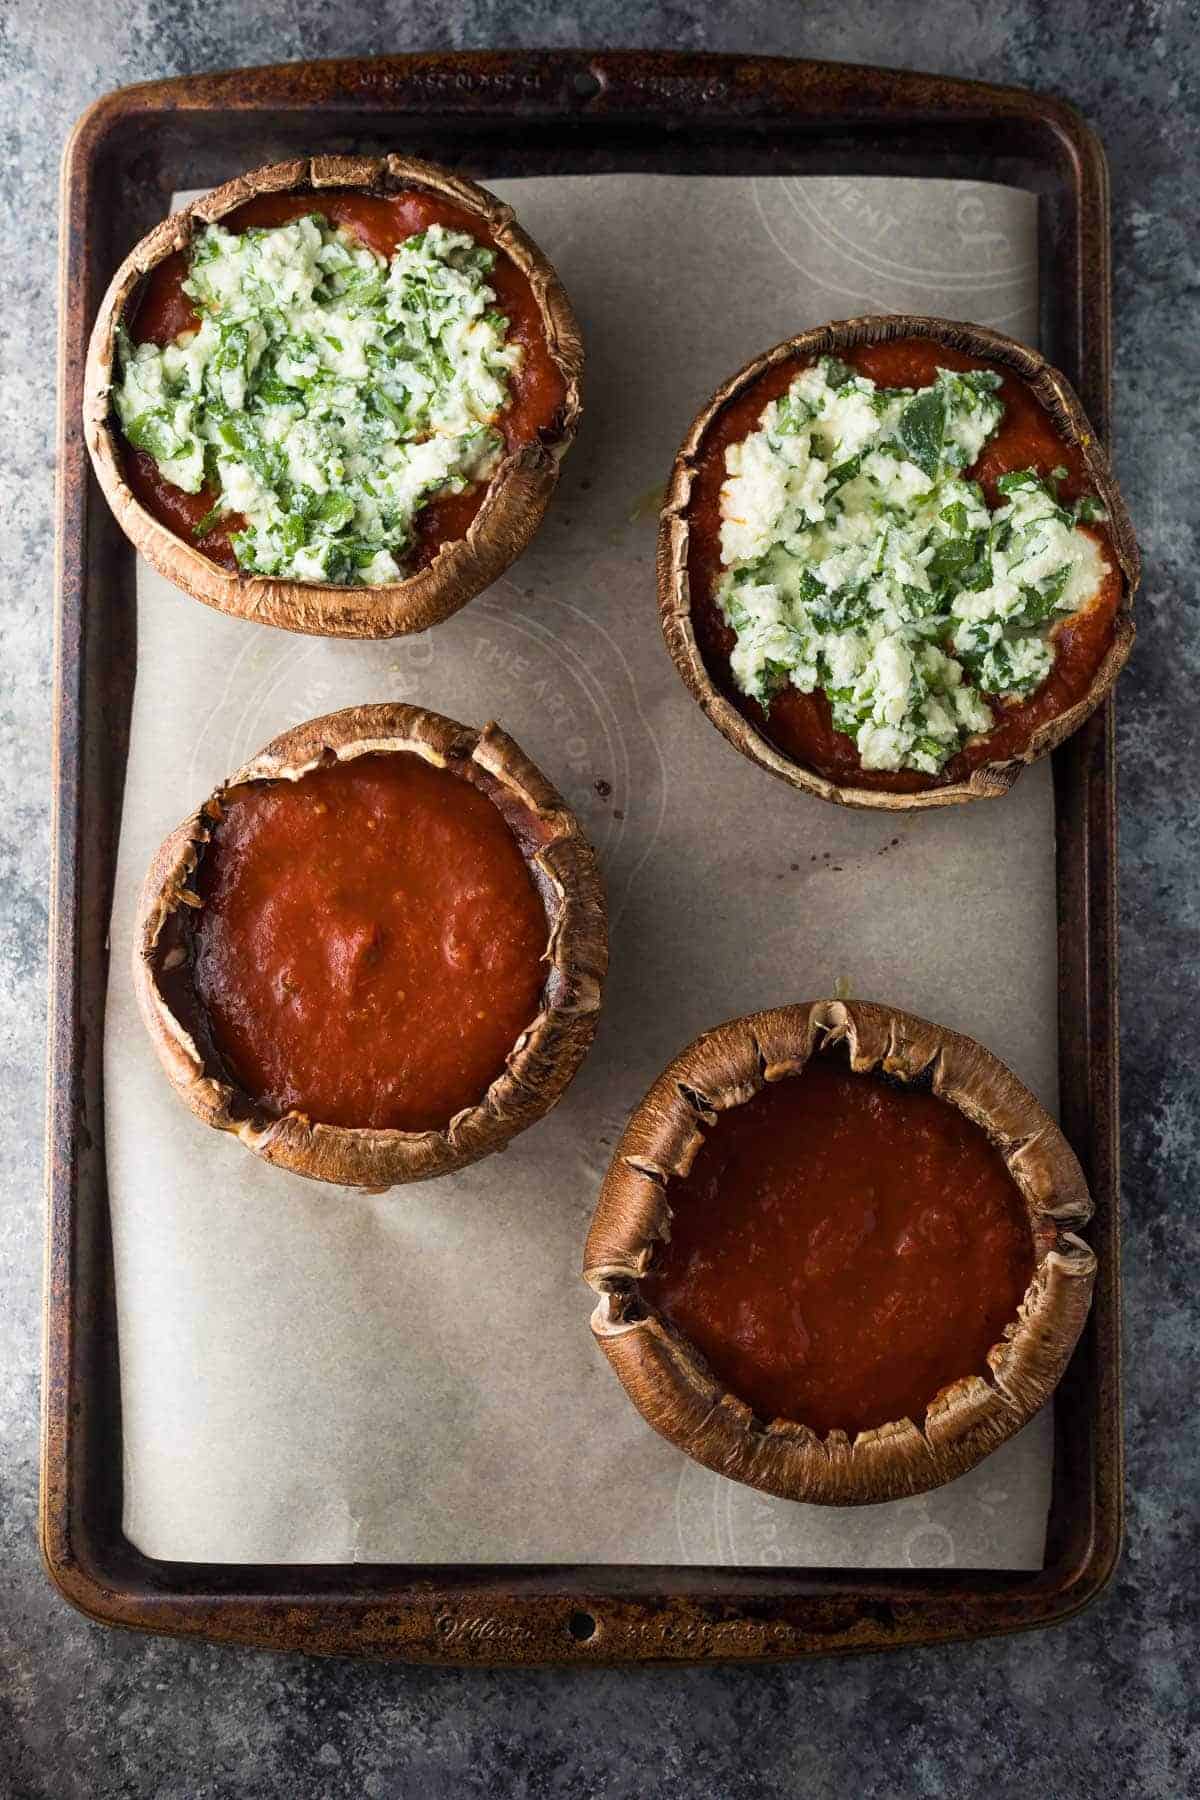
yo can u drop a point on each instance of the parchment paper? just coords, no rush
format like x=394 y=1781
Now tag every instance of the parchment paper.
x=311 y=1374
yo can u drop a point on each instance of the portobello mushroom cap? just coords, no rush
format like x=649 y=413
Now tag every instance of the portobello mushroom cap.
x=666 y=1377
x=543 y=1058
x=517 y=493
x=1053 y=392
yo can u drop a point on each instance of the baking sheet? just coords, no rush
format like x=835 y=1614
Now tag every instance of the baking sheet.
x=310 y=1374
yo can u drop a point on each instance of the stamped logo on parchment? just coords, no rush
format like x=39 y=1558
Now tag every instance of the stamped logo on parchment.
x=953 y=248
x=720 y=1521
x=556 y=677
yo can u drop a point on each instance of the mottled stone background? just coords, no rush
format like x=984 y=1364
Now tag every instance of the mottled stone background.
x=1106 y=1705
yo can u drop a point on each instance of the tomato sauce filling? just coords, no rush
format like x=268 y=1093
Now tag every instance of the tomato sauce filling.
x=370 y=943
x=843 y=1249
x=801 y=725
x=382 y=222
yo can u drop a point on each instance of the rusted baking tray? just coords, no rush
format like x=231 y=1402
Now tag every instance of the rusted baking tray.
x=497 y=115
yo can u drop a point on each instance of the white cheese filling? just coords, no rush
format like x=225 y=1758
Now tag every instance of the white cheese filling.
x=327 y=395
x=862 y=562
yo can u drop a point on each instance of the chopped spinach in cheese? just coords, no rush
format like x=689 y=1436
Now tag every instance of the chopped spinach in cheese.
x=328 y=394
x=861 y=561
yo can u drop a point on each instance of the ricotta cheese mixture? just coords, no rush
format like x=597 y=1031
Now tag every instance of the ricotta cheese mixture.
x=860 y=560
x=327 y=395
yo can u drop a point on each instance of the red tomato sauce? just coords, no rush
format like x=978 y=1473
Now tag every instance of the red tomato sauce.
x=370 y=944
x=843 y=1249
x=537 y=390
x=801 y=725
